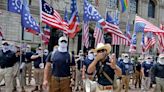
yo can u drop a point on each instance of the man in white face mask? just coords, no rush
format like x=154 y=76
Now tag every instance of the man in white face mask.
x=7 y=61
x=146 y=79
x=88 y=77
x=127 y=70
x=61 y=62
x=158 y=72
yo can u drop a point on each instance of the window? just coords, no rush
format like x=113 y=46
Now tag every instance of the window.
x=30 y=1
x=136 y=6
x=151 y=9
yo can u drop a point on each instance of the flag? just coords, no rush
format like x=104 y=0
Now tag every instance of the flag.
x=91 y=14
x=85 y=35
x=15 y=6
x=139 y=27
x=118 y=38
x=28 y=21
x=128 y=31
x=148 y=27
x=66 y=15
x=149 y=41
x=162 y=26
x=1 y=35
x=74 y=20
x=98 y=34
x=143 y=43
x=46 y=30
x=52 y=18
x=133 y=44
x=45 y=38
x=124 y=5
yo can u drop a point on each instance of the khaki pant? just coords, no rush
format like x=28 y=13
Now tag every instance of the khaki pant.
x=60 y=85
x=7 y=75
x=15 y=73
x=28 y=70
x=99 y=90
x=145 y=84
x=159 y=85
x=138 y=79
x=90 y=86
x=38 y=76
x=125 y=82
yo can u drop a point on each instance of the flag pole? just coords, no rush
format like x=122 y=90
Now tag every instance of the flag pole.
x=41 y=31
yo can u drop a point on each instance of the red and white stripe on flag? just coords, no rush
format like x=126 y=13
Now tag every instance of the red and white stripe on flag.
x=118 y=38
x=98 y=35
x=85 y=35
x=149 y=42
x=54 y=20
x=149 y=27
x=45 y=38
x=73 y=26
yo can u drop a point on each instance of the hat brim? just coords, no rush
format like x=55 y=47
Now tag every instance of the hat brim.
x=107 y=47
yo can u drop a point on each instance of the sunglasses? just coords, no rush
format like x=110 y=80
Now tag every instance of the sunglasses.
x=5 y=44
x=101 y=50
x=39 y=49
x=64 y=41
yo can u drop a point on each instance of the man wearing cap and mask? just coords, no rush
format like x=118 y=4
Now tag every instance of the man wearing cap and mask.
x=61 y=61
x=146 y=79
x=28 y=63
x=7 y=61
x=127 y=70
x=158 y=72
x=88 y=77
x=106 y=68
x=39 y=61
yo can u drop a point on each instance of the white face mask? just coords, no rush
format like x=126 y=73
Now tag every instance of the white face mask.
x=5 y=48
x=90 y=56
x=161 y=61
x=126 y=60
x=39 y=51
x=62 y=47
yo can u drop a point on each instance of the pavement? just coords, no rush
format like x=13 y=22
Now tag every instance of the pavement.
x=31 y=86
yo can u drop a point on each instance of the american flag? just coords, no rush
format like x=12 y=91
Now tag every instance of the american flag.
x=98 y=34
x=85 y=35
x=148 y=27
x=133 y=44
x=118 y=38
x=143 y=43
x=15 y=6
x=52 y=18
x=45 y=38
x=74 y=20
x=149 y=41
x=128 y=31
x=28 y=21
x=66 y=15
x=46 y=30
x=160 y=40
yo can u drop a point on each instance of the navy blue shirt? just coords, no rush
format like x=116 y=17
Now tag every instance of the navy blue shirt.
x=158 y=70
x=7 y=59
x=87 y=62
x=147 y=68
x=61 y=64
x=108 y=70
x=38 y=61
x=28 y=57
x=127 y=68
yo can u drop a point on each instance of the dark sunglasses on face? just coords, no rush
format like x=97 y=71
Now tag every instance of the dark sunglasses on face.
x=101 y=50
x=5 y=44
x=126 y=56
x=64 y=41
x=91 y=52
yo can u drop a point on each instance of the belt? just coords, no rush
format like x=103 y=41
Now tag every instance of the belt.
x=109 y=87
x=61 y=78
